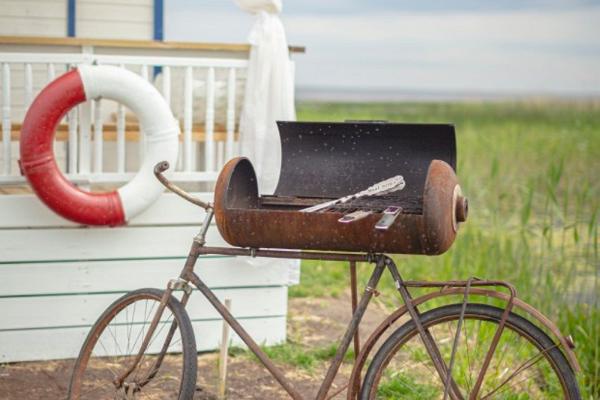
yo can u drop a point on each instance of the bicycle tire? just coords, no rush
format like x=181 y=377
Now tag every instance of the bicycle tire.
x=474 y=312
x=102 y=368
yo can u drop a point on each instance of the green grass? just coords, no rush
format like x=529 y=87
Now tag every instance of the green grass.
x=296 y=354
x=403 y=386
x=531 y=171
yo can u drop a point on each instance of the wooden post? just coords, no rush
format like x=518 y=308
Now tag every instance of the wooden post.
x=188 y=103
x=354 y=296
x=6 y=122
x=223 y=354
x=209 y=122
x=121 y=142
x=231 y=82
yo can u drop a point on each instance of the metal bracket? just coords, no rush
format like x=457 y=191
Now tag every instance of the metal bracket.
x=375 y=292
x=179 y=284
x=371 y=257
x=200 y=239
x=570 y=342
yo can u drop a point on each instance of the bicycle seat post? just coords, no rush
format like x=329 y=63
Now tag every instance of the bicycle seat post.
x=201 y=236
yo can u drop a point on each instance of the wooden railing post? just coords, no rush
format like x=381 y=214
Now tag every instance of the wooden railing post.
x=98 y=137
x=121 y=136
x=187 y=119
x=231 y=82
x=6 y=125
x=84 y=134
x=209 y=120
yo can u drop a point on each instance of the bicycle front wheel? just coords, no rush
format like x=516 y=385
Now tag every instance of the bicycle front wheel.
x=167 y=369
x=525 y=365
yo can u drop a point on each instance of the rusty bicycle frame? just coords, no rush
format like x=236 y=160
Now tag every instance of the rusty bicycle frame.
x=472 y=286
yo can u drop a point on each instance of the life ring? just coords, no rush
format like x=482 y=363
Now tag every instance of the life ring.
x=37 y=136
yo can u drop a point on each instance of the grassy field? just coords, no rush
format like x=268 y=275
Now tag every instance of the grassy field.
x=531 y=172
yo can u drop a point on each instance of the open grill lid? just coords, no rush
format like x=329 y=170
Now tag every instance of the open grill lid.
x=331 y=160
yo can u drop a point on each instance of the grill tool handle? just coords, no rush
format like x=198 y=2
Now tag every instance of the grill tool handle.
x=389 y=185
x=158 y=172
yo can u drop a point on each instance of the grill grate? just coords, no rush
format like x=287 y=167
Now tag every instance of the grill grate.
x=376 y=204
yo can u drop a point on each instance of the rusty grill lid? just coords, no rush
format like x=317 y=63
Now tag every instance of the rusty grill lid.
x=331 y=160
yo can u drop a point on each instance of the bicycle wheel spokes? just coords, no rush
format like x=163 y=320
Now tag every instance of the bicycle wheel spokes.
x=520 y=369
x=113 y=345
x=410 y=372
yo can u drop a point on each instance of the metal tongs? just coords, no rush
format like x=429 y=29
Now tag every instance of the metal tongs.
x=390 y=185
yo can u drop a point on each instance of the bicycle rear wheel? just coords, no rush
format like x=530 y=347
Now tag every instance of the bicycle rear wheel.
x=525 y=365
x=165 y=370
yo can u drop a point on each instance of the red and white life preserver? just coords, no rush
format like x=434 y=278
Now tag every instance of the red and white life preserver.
x=37 y=137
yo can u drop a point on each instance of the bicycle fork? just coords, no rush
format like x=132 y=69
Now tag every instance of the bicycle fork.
x=174 y=284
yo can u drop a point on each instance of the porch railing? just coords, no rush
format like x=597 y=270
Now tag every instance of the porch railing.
x=97 y=145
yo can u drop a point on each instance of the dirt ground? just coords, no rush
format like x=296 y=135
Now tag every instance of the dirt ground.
x=313 y=322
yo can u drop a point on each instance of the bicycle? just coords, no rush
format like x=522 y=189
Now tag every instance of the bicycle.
x=463 y=350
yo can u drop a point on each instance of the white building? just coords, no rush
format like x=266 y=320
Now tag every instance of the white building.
x=56 y=277
x=134 y=19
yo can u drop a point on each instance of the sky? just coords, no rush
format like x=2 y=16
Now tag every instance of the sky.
x=473 y=46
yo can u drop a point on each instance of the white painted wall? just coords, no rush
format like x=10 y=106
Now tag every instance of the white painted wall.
x=98 y=19
x=33 y=18
x=117 y=19
x=56 y=277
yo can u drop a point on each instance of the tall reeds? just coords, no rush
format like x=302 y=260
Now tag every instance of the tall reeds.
x=532 y=174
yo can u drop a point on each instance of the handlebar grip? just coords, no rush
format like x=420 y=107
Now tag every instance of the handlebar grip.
x=161 y=167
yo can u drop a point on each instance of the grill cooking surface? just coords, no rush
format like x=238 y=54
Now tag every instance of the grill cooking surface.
x=410 y=205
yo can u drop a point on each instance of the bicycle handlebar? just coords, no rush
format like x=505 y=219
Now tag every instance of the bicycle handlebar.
x=158 y=172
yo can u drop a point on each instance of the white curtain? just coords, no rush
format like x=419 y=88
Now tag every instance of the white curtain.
x=269 y=95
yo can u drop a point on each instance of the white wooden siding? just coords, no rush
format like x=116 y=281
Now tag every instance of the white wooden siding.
x=77 y=277
x=57 y=277
x=33 y=17
x=58 y=343
x=36 y=312
x=117 y=19
x=27 y=211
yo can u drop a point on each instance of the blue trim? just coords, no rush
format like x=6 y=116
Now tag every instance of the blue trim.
x=158 y=20
x=71 y=18
x=159 y=32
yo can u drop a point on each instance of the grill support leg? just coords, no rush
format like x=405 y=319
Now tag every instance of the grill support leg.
x=354 y=295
